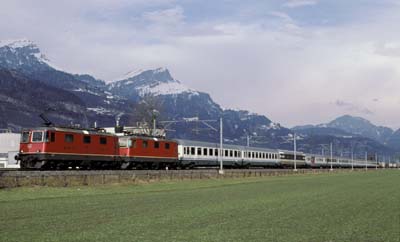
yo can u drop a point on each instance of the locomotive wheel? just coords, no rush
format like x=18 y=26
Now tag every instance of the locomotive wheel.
x=155 y=166
x=126 y=165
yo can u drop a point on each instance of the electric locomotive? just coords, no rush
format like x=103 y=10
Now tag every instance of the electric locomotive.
x=147 y=152
x=63 y=148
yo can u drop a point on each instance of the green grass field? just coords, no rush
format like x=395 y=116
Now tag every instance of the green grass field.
x=341 y=207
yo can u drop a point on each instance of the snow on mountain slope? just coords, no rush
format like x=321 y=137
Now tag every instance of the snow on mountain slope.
x=22 y=53
x=155 y=82
x=161 y=88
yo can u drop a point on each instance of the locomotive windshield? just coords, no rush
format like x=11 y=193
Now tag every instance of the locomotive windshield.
x=37 y=136
x=25 y=137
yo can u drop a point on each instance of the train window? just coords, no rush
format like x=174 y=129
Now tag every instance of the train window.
x=231 y=153
x=103 y=140
x=205 y=151
x=52 y=137
x=198 y=151
x=235 y=153
x=156 y=145
x=167 y=146
x=192 y=151
x=145 y=144
x=86 y=139
x=46 y=136
x=210 y=153
x=216 y=152
x=226 y=153
x=69 y=138
x=37 y=136
x=25 y=137
x=122 y=143
x=132 y=143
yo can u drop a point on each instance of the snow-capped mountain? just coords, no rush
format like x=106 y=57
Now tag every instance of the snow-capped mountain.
x=25 y=60
x=150 y=82
x=25 y=56
x=22 y=54
x=352 y=125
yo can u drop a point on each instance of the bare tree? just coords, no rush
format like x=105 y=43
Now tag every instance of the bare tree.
x=147 y=110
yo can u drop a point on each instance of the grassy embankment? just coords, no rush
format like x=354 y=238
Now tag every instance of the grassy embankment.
x=349 y=207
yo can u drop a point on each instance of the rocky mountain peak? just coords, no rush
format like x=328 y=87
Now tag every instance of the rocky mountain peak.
x=158 y=75
x=155 y=82
x=352 y=125
x=22 y=54
x=18 y=43
x=349 y=120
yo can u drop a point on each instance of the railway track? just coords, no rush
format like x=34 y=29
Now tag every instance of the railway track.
x=197 y=170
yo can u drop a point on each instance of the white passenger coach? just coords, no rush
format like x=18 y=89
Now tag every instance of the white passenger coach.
x=196 y=153
x=205 y=154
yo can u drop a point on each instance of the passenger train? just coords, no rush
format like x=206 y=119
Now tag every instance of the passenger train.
x=60 y=148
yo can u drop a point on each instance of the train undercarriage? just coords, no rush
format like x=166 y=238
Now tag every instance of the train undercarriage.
x=45 y=162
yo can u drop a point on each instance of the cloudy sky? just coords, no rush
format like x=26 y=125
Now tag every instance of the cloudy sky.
x=295 y=61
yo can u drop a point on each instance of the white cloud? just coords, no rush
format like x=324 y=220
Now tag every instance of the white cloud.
x=299 y=3
x=166 y=16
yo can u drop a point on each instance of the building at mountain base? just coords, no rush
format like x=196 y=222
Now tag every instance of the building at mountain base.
x=9 y=145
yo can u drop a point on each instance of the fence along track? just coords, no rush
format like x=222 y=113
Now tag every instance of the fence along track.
x=17 y=178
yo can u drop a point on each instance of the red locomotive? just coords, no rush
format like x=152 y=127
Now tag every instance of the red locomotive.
x=146 y=152
x=61 y=148
x=73 y=148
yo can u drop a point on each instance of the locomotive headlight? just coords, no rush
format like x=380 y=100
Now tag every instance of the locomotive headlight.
x=22 y=151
